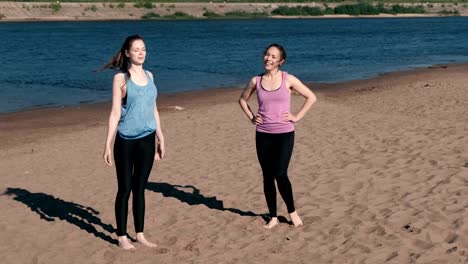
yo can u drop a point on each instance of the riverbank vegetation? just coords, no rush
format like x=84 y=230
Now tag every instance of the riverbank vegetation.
x=348 y=9
x=174 y=9
x=455 y=2
x=361 y=8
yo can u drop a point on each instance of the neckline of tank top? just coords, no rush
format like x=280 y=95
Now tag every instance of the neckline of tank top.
x=147 y=80
x=270 y=91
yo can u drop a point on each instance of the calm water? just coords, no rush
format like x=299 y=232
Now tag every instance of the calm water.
x=54 y=63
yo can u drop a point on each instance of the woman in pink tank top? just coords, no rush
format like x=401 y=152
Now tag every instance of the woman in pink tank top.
x=274 y=138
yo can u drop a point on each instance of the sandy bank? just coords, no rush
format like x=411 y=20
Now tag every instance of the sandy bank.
x=379 y=172
x=43 y=11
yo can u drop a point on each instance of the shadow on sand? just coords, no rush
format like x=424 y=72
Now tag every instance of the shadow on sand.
x=192 y=197
x=51 y=208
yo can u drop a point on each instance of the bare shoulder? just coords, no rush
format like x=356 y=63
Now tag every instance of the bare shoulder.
x=150 y=75
x=252 y=84
x=119 y=77
x=291 y=78
x=253 y=80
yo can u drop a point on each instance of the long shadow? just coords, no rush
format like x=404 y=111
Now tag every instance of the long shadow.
x=193 y=197
x=51 y=208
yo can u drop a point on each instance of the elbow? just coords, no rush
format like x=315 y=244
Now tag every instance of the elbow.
x=313 y=99
x=310 y=101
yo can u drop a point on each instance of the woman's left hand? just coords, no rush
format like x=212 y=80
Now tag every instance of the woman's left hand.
x=290 y=117
x=160 y=150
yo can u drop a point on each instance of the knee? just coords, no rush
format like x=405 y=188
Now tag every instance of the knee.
x=138 y=193
x=282 y=179
x=268 y=179
x=123 y=193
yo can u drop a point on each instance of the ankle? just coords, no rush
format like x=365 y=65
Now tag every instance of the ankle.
x=272 y=223
x=122 y=238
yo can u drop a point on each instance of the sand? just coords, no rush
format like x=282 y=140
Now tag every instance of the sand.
x=42 y=11
x=379 y=173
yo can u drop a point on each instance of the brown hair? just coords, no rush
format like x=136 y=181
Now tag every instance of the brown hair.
x=120 y=61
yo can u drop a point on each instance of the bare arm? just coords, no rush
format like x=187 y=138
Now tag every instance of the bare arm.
x=117 y=84
x=244 y=98
x=160 y=144
x=303 y=90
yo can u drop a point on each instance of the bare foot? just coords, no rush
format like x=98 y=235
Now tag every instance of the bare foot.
x=141 y=238
x=295 y=219
x=273 y=222
x=124 y=243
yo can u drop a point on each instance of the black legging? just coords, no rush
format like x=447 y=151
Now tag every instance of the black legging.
x=274 y=153
x=133 y=163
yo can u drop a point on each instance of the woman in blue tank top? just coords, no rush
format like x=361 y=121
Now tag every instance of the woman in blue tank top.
x=134 y=123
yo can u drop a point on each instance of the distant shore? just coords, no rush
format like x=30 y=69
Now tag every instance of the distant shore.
x=57 y=11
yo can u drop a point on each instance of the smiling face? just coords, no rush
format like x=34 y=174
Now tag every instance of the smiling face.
x=272 y=59
x=137 y=52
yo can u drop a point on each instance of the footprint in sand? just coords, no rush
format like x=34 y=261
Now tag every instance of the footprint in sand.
x=192 y=246
x=422 y=244
x=451 y=238
x=411 y=229
x=369 y=229
x=335 y=231
x=161 y=250
x=357 y=187
x=171 y=241
x=391 y=256
x=312 y=219
x=451 y=250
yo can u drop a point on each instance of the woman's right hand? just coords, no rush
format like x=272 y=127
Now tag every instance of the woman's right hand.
x=160 y=151
x=107 y=156
x=257 y=120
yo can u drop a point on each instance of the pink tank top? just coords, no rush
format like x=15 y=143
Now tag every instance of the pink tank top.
x=271 y=107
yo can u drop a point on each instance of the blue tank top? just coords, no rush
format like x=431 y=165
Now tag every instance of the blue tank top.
x=137 y=118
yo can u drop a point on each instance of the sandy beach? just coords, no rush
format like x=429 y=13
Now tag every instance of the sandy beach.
x=379 y=173
x=64 y=11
